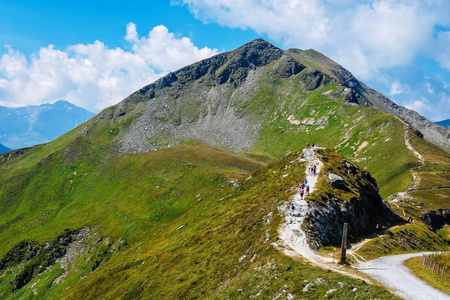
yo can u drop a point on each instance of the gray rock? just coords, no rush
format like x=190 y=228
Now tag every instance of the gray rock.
x=336 y=180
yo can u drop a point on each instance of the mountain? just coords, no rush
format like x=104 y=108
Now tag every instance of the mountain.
x=179 y=190
x=31 y=125
x=4 y=148
x=445 y=123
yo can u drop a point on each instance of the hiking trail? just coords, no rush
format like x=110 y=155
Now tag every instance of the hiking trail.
x=387 y=270
x=294 y=242
x=416 y=178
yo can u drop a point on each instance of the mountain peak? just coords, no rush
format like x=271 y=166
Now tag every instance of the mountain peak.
x=259 y=43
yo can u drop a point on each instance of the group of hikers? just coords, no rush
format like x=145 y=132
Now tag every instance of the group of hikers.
x=312 y=170
x=304 y=187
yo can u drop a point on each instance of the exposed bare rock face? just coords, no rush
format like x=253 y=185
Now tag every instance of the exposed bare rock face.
x=220 y=101
x=436 y=219
x=349 y=195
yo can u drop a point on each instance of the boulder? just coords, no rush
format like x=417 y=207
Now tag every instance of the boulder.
x=336 y=180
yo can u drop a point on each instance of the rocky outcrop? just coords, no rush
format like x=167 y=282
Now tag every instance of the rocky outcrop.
x=29 y=259
x=348 y=196
x=336 y=180
x=436 y=219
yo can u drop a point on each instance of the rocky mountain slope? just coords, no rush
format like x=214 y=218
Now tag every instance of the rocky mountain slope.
x=31 y=125
x=217 y=93
x=197 y=217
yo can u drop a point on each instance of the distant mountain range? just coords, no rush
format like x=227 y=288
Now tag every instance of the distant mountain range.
x=31 y=125
x=445 y=123
x=4 y=148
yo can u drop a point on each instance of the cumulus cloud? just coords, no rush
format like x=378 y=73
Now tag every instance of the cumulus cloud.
x=92 y=75
x=364 y=36
x=368 y=37
x=441 y=49
x=396 y=88
x=430 y=97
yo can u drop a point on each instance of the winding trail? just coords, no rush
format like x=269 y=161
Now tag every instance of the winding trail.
x=293 y=241
x=390 y=271
x=416 y=178
x=387 y=270
x=291 y=233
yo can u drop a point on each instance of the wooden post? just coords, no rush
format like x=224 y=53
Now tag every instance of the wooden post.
x=443 y=269
x=434 y=265
x=344 y=243
x=423 y=260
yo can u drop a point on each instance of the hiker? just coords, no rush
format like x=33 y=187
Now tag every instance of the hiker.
x=302 y=185
x=301 y=193
x=306 y=182
x=410 y=219
x=314 y=170
x=313 y=144
x=307 y=190
x=292 y=209
x=307 y=145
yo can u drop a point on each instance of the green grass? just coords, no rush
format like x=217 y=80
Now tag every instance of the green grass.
x=404 y=239
x=122 y=198
x=432 y=278
x=223 y=252
x=139 y=200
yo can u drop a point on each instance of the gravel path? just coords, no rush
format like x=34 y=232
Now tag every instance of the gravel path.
x=387 y=270
x=291 y=233
x=390 y=271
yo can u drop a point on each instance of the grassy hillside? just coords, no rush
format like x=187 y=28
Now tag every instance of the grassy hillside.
x=223 y=251
x=121 y=197
x=96 y=213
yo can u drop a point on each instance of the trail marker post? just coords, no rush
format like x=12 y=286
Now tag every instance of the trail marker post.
x=344 y=243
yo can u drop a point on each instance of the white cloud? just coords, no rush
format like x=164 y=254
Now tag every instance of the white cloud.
x=92 y=75
x=364 y=36
x=396 y=88
x=441 y=49
x=430 y=97
x=418 y=105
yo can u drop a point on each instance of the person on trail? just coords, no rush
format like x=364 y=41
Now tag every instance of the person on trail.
x=292 y=209
x=307 y=190
x=302 y=191
x=306 y=182
x=302 y=185
x=313 y=144
x=410 y=219
x=307 y=144
x=314 y=170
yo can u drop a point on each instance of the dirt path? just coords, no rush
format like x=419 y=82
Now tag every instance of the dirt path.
x=291 y=232
x=390 y=271
x=293 y=239
x=416 y=178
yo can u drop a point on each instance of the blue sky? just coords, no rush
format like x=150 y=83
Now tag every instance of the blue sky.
x=95 y=53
